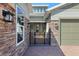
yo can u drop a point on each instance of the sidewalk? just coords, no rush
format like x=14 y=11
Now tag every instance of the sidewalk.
x=43 y=51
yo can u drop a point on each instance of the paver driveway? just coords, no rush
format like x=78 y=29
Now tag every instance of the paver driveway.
x=44 y=51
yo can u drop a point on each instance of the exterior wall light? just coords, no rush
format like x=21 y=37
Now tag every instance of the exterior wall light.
x=7 y=15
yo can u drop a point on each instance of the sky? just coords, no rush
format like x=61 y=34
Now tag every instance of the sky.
x=49 y=4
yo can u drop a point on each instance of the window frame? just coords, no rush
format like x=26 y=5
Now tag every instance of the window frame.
x=17 y=44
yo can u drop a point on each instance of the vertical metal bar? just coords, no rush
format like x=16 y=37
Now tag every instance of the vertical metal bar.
x=44 y=37
x=30 y=37
x=34 y=37
x=49 y=36
x=60 y=32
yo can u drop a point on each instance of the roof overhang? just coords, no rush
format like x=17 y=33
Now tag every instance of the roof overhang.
x=56 y=7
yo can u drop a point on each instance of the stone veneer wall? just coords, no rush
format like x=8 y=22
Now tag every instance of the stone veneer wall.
x=54 y=32
x=8 y=35
x=24 y=45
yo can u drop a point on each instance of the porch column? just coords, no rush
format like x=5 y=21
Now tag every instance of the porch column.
x=47 y=27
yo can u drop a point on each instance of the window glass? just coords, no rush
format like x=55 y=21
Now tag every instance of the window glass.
x=44 y=9
x=39 y=9
x=19 y=10
x=20 y=24
x=20 y=34
x=34 y=9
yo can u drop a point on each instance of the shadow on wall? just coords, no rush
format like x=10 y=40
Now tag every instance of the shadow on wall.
x=54 y=43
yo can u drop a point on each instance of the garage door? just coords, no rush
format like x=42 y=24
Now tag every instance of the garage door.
x=69 y=32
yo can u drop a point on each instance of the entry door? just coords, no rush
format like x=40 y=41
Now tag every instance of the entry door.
x=69 y=32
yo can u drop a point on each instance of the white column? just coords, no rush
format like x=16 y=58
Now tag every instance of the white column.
x=47 y=30
x=47 y=27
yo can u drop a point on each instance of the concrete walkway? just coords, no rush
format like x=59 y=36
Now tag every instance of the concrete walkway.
x=70 y=50
x=44 y=51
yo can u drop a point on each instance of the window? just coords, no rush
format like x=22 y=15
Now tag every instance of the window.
x=19 y=28
x=44 y=9
x=34 y=9
x=19 y=10
x=39 y=10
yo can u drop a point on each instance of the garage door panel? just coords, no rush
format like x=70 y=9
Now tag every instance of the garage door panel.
x=68 y=27
x=67 y=38
x=70 y=32
x=70 y=42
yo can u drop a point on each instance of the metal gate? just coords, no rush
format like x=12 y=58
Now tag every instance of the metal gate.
x=39 y=38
